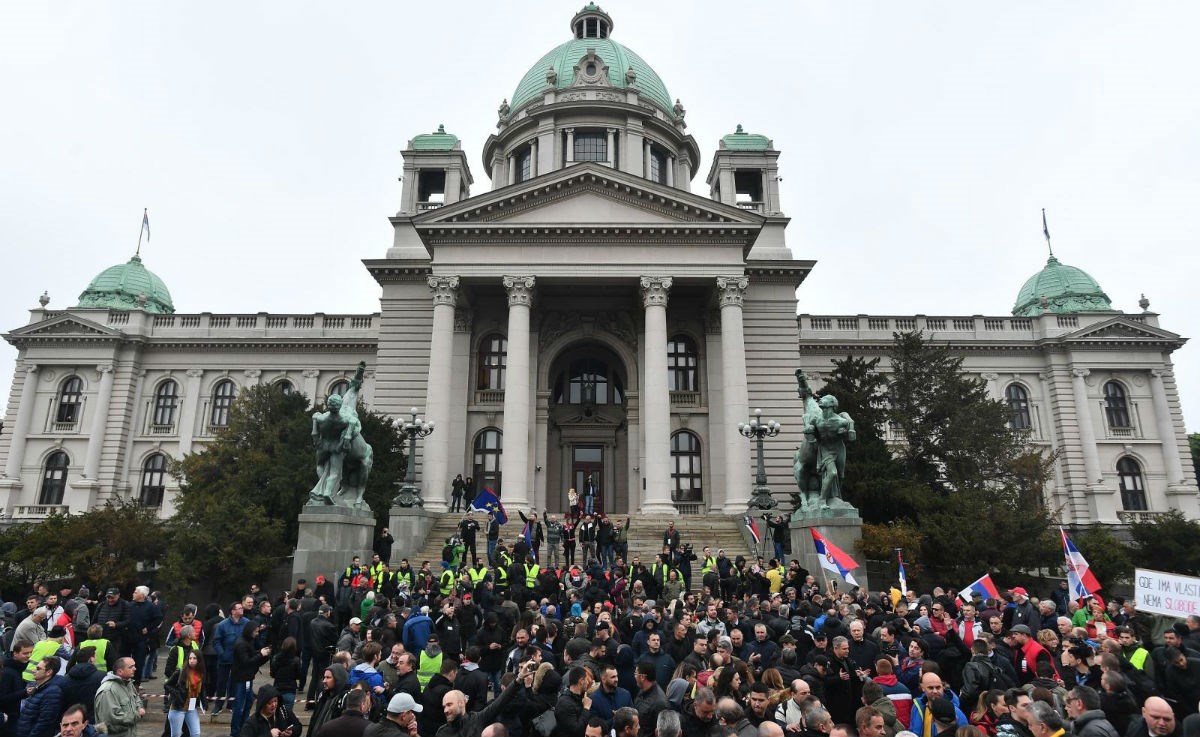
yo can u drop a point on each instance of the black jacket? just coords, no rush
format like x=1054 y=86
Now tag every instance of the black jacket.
x=12 y=691
x=82 y=681
x=257 y=725
x=473 y=683
x=432 y=718
x=570 y=717
x=472 y=723
x=323 y=635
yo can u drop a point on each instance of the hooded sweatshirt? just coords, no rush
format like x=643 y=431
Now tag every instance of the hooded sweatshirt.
x=329 y=703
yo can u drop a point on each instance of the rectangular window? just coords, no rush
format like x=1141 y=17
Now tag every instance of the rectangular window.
x=591 y=147
x=658 y=165
x=524 y=164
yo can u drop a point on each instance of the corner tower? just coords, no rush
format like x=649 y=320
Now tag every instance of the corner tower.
x=591 y=99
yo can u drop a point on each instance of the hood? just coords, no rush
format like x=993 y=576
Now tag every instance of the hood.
x=340 y=676
x=365 y=668
x=265 y=694
x=676 y=690
x=888 y=680
x=81 y=671
x=551 y=683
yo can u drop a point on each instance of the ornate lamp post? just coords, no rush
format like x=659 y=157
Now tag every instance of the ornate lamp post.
x=756 y=430
x=410 y=494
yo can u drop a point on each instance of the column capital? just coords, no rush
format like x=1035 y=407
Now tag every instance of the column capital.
x=29 y=368
x=1160 y=373
x=655 y=290
x=104 y=368
x=195 y=373
x=1081 y=373
x=732 y=290
x=252 y=373
x=520 y=290
x=444 y=288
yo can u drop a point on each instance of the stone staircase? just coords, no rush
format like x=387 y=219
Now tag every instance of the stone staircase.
x=645 y=536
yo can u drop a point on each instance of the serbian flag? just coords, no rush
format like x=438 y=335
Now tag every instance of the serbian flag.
x=752 y=526
x=487 y=501
x=903 y=579
x=832 y=558
x=145 y=224
x=1080 y=579
x=983 y=585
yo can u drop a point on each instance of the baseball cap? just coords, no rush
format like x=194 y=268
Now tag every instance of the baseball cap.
x=1019 y=591
x=113 y=592
x=1020 y=629
x=320 y=579
x=355 y=620
x=403 y=702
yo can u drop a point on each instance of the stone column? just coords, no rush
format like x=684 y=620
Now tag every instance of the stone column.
x=1166 y=428
x=514 y=462
x=656 y=400
x=1087 y=434
x=187 y=415
x=611 y=151
x=731 y=292
x=435 y=466
x=91 y=466
x=310 y=387
x=570 y=145
x=20 y=431
x=645 y=159
x=511 y=162
x=533 y=161
x=670 y=171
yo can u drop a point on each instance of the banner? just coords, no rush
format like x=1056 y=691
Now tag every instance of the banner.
x=1166 y=593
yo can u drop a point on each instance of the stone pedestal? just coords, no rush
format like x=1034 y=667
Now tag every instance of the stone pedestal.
x=409 y=526
x=839 y=525
x=329 y=538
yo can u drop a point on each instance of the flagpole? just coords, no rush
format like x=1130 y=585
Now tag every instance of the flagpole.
x=142 y=229
x=1046 y=231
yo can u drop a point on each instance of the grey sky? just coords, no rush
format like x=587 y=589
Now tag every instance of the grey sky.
x=919 y=141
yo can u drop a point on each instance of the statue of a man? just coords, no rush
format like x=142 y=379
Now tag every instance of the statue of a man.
x=820 y=463
x=343 y=458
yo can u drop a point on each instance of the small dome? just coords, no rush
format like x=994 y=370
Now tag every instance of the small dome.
x=1065 y=289
x=128 y=286
x=439 y=140
x=740 y=140
x=591 y=27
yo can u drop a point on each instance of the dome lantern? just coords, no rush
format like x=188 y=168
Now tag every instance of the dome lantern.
x=591 y=22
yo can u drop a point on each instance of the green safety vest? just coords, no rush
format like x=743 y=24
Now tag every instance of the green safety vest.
x=446 y=583
x=381 y=579
x=710 y=563
x=43 y=649
x=531 y=573
x=654 y=570
x=101 y=646
x=477 y=575
x=429 y=667
x=179 y=658
x=1138 y=659
x=375 y=570
x=404 y=578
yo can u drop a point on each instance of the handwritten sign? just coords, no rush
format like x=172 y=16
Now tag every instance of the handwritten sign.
x=1166 y=593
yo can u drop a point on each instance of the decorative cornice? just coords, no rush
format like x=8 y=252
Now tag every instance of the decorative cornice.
x=655 y=290
x=444 y=288
x=520 y=290
x=731 y=290
x=252 y=373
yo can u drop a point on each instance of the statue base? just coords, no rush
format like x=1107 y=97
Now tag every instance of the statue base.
x=410 y=526
x=329 y=538
x=838 y=524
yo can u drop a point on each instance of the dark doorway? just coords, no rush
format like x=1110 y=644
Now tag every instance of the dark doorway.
x=588 y=460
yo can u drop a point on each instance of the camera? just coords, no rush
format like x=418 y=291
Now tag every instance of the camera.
x=687 y=547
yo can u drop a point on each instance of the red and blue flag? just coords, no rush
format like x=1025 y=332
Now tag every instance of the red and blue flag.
x=1080 y=579
x=832 y=558
x=983 y=585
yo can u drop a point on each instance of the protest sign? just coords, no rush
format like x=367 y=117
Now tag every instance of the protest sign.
x=1166 y=593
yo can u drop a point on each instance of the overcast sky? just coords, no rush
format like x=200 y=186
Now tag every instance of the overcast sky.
x=920 y=141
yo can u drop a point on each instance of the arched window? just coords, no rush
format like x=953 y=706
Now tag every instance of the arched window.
x=1116 y=406
x=285 y=387
x=686 y=477
x=1018 y=407
x=1133 y=486
x=493 y=357
x=587 y=381
x=682 y=360
x=154 y=480
x=70 y=400
x=489 y=446
x=340 y=387
x=166 y=402
x=54 y=479
x=223 y=396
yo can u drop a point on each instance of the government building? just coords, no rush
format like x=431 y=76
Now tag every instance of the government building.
x=585 y=315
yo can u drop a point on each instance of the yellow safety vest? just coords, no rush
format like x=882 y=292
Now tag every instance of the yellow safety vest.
x=654 y=569
x=403 y=577
x=43 y=649
x=429 y=667
x=179 y=659
x=446 y=582
x=375 y=570
x=531 y=574
x=381 y=579
x=477 y=575
x=710 y=563
x=101 y=646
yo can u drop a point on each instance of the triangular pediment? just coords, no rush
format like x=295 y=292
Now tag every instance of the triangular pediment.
x=1122 y=328
x=588 y=194
x=65 y=325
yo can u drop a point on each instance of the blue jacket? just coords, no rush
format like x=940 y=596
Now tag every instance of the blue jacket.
x=416 y=632
x=603 y=704
x=40 y=712
x=225 y=636
x=918 y=713
x=367 y=673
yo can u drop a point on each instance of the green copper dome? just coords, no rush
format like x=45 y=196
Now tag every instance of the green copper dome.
x=562 y=59
x=124 y=287
x=1065 y=289
x=740 y=140
x=439 y=140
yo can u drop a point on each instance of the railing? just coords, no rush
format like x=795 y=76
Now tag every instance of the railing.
x=161 y=321
x=39 y=511
x=189 y=321
x=66 y=427
x=1132 y=431
x=906 y=323
x=689 y=507
x=1068 y=321
x=258 y=322
x=1131 y=516
x=429 y=205
x=489 y=396
x=873 y=326
x=118 y=318
x=685 y=399
x=751 y=205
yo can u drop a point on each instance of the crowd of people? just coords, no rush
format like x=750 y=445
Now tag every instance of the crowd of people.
x=601 y=643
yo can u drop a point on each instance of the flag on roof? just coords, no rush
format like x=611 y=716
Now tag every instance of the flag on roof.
x=1080 y=579
x=487 y=501
x=752 y=526
x=832 y=558
x=983 y=585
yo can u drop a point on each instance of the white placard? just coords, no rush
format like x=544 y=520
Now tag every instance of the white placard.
x=1166 y=593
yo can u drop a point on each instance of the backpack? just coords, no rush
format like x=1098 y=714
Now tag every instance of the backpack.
x=448 y=553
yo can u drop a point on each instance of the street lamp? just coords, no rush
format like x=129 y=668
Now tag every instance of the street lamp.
x=756 y=430
x=410 y=495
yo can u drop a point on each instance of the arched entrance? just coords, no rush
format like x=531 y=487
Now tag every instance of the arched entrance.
x=587 y=434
